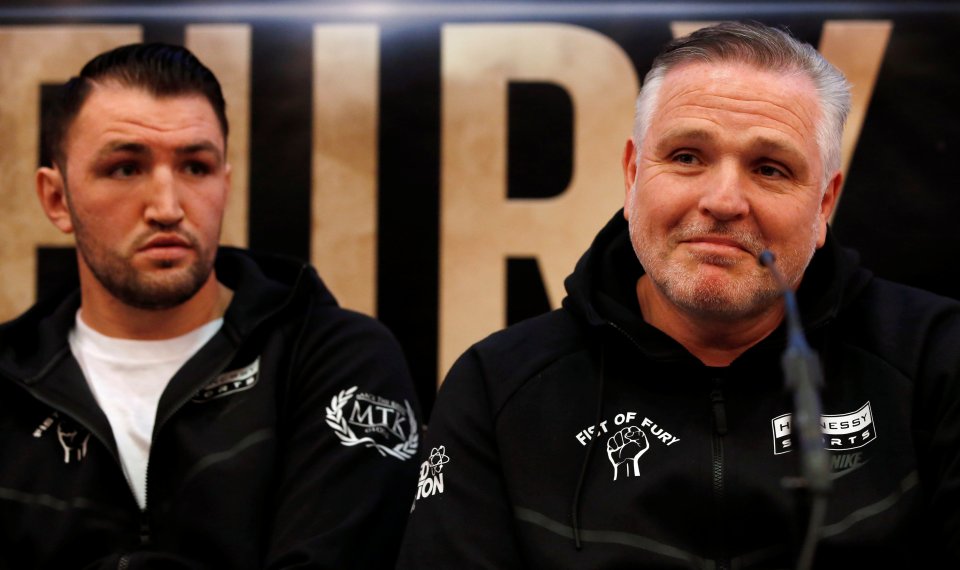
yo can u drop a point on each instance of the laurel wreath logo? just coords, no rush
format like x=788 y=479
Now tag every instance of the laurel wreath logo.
x=403 y=450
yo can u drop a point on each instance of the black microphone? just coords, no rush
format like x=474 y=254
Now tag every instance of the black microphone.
x=803 y=376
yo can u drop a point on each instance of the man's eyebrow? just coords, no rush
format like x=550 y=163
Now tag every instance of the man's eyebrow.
x=123 y=146
x=768 y=145
x=682 y=135
x=202 y=146
x=139 y=148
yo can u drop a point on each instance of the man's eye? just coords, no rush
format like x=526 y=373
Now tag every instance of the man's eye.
x=686 y=158
x=125 y=170
x=197 y=169
x=770 y=171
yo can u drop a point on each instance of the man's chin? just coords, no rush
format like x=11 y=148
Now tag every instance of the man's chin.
x=158 y=288
x=723 y=299
x=158 y=300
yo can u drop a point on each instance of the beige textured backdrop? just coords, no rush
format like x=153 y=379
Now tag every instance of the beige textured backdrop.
x=479 y=225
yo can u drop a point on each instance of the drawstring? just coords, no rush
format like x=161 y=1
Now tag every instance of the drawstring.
x=575 y=513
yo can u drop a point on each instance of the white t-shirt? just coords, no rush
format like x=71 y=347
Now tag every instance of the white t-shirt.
x=127 y=378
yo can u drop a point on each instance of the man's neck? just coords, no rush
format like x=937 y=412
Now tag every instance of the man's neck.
x=109 y=316
x=714 y=341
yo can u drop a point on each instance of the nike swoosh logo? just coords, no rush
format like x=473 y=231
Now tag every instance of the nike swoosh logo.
x=844 y=472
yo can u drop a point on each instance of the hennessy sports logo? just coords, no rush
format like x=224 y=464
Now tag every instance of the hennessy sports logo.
x=841 y=432
x=385 y=425
x=230 y=383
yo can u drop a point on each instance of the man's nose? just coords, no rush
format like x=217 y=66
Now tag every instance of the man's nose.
x=163 y=201
x=724 y=197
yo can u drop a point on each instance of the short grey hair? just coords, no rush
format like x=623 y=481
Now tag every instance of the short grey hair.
x=768 y=49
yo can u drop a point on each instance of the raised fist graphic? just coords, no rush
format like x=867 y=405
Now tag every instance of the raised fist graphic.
x=626 y=446
x=73 y=439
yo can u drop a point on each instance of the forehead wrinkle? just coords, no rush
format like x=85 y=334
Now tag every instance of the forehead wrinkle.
x=679 y=83
x=163 y=127
x=756 y=112
x=760 y=107
x=809 y=125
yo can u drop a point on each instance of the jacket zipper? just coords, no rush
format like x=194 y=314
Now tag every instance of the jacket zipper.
x=719 y=431
x=144 y=528
x=717 y=465
x=146 y=533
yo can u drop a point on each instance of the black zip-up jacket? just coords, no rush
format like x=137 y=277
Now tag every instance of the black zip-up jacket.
x=285 y=442
x=588 y=425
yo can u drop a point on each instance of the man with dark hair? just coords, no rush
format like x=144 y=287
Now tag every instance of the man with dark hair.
x=645 y=423
x=186 y=405
x=159 y=69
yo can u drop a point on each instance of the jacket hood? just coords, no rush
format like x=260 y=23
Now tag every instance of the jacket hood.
x=263 y=286
x=601 y=291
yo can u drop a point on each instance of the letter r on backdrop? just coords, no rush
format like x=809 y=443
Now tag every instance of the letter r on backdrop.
x=479 y=226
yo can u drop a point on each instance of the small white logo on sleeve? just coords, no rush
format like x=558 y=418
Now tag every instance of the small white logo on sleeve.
x=431 y=474
x=841 y=432
x=388 y=426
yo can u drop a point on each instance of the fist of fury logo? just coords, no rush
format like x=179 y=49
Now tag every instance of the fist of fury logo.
x=625 y=448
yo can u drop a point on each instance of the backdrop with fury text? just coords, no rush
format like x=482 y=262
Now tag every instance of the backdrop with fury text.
x=445 y=164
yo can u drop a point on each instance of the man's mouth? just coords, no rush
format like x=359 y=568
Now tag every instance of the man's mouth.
x=717 y=244
x=166 y=249
x=166 y=241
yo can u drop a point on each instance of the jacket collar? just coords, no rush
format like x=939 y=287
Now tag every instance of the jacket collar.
x=602 y=290
x=35 y=342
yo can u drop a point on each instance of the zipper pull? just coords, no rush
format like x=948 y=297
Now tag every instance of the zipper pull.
x=144 y=529
x=719 y=411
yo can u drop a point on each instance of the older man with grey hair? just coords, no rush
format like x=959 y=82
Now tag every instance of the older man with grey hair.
x=645 y=423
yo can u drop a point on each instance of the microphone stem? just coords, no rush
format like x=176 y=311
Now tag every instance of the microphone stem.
x=803 y=376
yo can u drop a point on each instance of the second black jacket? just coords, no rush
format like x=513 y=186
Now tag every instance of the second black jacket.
x=587 y=425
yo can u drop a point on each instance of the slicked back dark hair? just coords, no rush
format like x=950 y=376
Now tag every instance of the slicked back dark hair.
x=163 y=70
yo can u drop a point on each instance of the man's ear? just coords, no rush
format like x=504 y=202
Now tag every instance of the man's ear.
x=51 y=189
x=629 y=164
x=228 y=178
x=827 y=204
